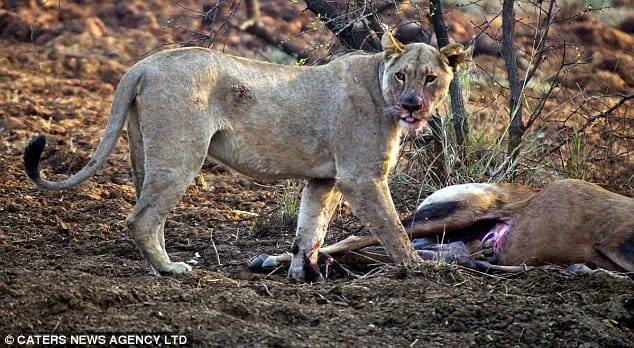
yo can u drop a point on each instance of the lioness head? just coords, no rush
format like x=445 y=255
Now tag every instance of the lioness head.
x=415 y=78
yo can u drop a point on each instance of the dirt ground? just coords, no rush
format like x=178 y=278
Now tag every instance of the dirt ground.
x=67 y=265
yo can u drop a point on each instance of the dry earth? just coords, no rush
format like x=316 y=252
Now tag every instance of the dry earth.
x=66 y=264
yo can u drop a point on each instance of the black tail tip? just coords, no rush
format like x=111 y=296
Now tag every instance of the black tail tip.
x=32 y=153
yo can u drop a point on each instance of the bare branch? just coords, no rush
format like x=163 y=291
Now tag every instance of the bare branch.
x=459 y=119
x=516 y=127
x=540 y=49
x=341 y=27
x=254 y=26
x=269 y=36
x=590 y=120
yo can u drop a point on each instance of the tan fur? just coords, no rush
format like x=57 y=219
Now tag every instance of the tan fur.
x=570 y=221
x=335 y=125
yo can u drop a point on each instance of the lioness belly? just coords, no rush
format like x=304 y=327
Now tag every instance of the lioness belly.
x=269 y=158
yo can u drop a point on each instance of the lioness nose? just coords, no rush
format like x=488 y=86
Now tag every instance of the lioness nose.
x=412 y=104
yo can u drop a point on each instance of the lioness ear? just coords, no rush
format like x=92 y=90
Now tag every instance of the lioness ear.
x=455 y=54
x=390 y=44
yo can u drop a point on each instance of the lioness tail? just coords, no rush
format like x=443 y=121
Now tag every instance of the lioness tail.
x=121 y=103
x=32 y=153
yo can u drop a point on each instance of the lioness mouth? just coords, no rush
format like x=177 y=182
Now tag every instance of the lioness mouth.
x=410 y=120
x=413 y=123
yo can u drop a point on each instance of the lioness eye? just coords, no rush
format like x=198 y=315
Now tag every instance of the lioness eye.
x=430 y=79
x=400 y=76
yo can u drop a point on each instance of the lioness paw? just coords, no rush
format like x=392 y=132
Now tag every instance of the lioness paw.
x=174 y=268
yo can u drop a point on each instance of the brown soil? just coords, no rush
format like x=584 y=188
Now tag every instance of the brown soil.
x=67 y=265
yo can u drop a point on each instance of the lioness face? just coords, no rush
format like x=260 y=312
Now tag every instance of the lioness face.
x=416 y=78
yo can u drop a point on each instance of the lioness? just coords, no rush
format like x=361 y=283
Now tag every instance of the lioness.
x=336 y=125
x=498 y=226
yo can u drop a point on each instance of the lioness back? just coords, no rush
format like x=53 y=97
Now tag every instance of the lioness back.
x=264 y=114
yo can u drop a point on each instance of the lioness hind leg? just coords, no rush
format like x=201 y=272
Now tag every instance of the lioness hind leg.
x=173 y=155
x=318 y=203
x=159 y=195
x=135 y=145
x=137 y=159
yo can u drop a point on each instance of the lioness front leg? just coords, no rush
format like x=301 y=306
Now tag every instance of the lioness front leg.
x=371 y=202
x=318 y=203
